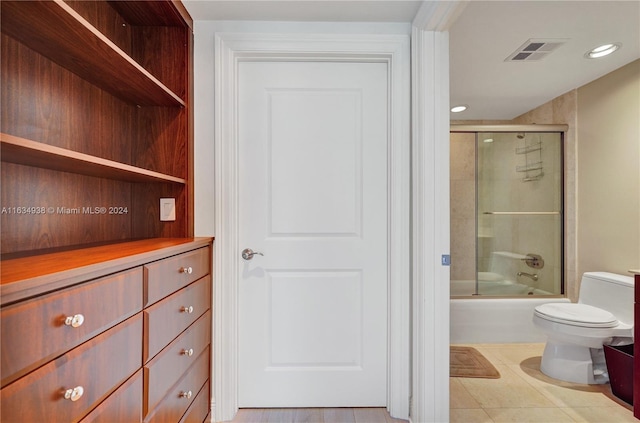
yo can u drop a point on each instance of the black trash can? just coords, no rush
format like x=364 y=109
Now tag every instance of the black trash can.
x=619 y=361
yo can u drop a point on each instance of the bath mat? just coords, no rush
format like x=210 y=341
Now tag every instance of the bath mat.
x=468 y=362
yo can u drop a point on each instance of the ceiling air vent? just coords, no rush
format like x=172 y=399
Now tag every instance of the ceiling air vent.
x=535 y=49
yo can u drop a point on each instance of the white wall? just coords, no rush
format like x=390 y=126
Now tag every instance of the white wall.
x=203 y=154
x=609 y=172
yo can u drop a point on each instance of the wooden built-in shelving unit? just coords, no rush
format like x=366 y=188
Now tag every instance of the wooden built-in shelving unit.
x=96 y=112
x=55 y=30
x=105 y=308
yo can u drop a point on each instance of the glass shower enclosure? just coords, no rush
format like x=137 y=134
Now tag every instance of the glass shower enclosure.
x=518 y=213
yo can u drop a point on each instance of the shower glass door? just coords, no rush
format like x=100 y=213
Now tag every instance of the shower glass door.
x=519 y=214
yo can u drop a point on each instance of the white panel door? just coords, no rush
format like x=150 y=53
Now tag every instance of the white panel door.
x=313 y=200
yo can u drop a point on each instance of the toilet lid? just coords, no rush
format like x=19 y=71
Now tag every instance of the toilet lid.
x=577 y=315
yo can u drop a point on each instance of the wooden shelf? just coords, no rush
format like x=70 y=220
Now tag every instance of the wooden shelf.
x=153 y=13
x=55 y=30
x=31 y=153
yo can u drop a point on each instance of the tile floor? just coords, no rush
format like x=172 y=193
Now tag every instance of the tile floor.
x=524 y=394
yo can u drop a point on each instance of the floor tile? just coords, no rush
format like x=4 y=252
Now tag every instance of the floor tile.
x=529 y=415
x=459 y=397
x=566 y=394
x=513 y=353
x=601 y=414
x=510 y=391
x=469 y=416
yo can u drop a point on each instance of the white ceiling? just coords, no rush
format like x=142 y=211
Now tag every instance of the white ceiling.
x=482 y=37
x=487 y=32
x=304 y=10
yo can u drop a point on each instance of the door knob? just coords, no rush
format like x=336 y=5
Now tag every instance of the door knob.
x=248 y=253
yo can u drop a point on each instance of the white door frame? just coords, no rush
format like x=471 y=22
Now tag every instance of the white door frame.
x=230 y=50
x=430 y=212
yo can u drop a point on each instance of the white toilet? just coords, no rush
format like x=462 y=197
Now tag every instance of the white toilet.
x=576 y=332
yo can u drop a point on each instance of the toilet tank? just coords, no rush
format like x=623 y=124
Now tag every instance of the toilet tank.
x=609 y=291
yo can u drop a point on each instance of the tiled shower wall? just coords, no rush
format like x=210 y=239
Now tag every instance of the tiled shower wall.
x=564 y=110
x=462 y=205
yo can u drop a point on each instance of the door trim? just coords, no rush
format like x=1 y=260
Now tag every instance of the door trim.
x=230 y=50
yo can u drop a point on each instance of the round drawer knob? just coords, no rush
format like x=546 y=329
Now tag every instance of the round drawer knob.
x=186 y=270
x=74 y=394
x=186 y=395
x=187 y=352
x=187 y=309
x=74 y=321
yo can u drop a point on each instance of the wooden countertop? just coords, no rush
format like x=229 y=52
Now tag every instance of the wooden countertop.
x=25 y=277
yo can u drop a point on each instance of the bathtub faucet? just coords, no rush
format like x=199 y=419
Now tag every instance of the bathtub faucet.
x=529 y=275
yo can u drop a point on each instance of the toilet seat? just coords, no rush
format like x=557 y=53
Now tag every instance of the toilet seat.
x=576 y=314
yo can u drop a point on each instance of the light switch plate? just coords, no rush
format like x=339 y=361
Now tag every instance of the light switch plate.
x=167 y=209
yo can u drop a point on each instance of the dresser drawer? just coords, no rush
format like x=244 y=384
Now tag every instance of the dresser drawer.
x=168 y=367
x=167 y=319
x=94 y=369
x=36 y=331
x=199 y=408
x=166 y=276
x=181 y=395
x=124 y=405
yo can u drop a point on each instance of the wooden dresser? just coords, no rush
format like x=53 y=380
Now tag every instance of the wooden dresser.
x=125 y=339
x=105 y=294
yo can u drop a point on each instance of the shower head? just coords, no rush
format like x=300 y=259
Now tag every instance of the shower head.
x=520 y=135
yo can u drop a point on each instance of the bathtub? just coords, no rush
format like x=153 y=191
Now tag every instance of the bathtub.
x=495 y=320
x=496 y=286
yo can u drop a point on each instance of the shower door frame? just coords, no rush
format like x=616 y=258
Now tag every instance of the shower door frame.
x=535 y=128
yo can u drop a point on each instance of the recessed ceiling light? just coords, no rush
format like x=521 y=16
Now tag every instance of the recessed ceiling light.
x=488 y=140
x=603 y=50
x=458 y=109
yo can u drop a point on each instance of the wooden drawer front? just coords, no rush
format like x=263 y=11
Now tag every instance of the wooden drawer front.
x=176 y=402
x=199 y=408
x=124 y=405
x=165 y=320
x=34 y=331
x=98 y=366
x=169 y=366
x=166 y=276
